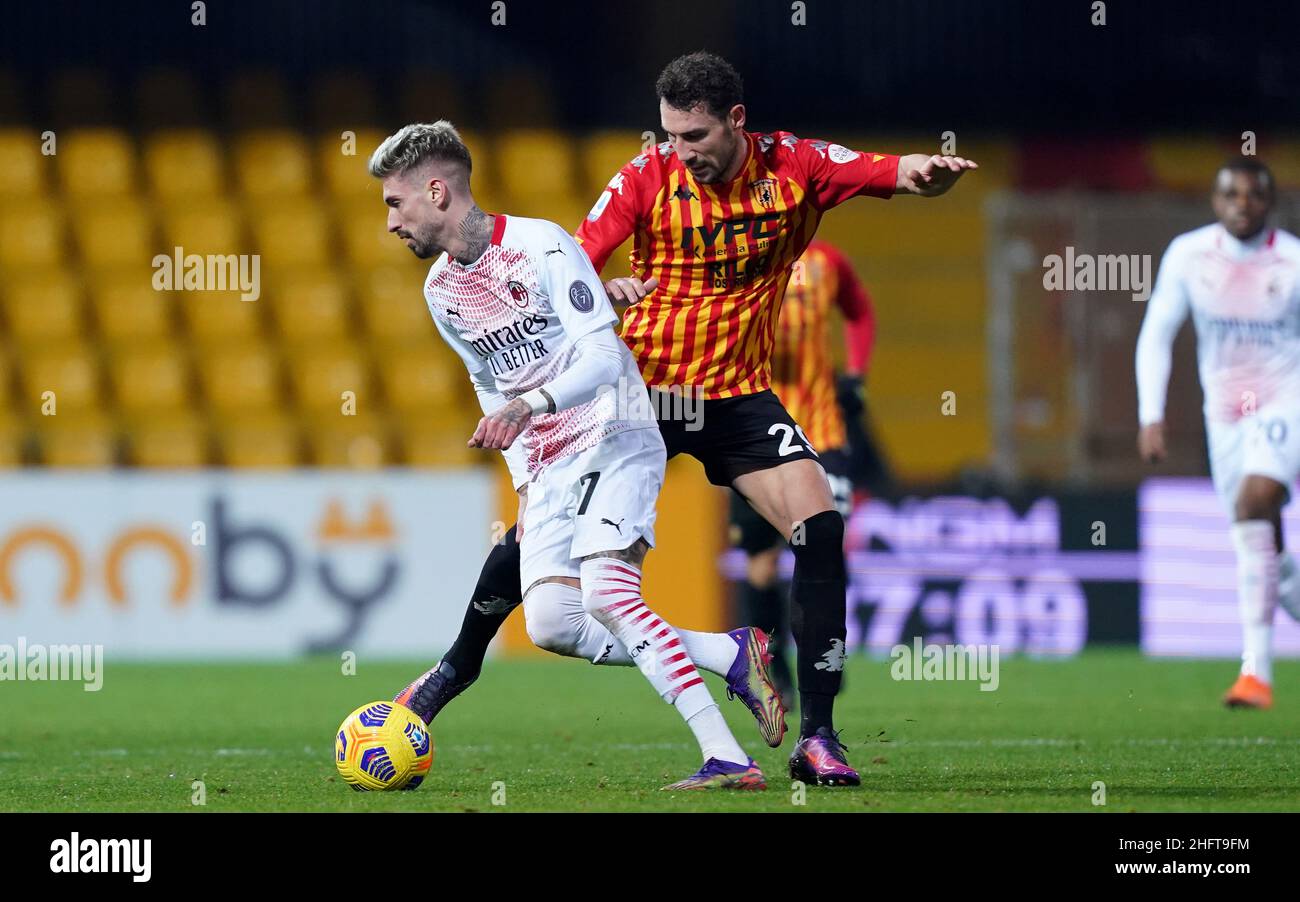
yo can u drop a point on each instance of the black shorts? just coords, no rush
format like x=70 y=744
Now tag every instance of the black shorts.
x=752 y=534
x=730 y=436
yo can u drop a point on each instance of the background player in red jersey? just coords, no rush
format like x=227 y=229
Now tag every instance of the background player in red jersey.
x=720 y=215
x=804 y=378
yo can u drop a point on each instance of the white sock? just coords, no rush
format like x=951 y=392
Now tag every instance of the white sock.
x=1288 y=586
x=611 y=592
x=714 y=736
x=555 y=614
x=1257 y=578
x=714 y=652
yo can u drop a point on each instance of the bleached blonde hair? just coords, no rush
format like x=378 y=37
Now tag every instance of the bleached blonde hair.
x=419 y=143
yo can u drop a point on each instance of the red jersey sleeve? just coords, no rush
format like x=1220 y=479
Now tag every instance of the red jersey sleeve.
x=834 y=173
x=617 y=211
x=854 y=301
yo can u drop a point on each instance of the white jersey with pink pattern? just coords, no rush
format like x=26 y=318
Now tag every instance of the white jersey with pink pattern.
x=1244 y=298
x=514 y=316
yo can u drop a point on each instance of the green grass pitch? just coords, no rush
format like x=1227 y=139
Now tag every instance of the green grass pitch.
x=566 y=736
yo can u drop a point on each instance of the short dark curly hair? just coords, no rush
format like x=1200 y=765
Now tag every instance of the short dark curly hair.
x=700 y=77
x=1250 y=166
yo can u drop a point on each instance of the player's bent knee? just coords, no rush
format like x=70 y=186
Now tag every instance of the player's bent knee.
x=818 y=544
x=548 y=625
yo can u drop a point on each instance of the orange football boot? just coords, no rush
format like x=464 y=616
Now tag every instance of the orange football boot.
x=1249 y=692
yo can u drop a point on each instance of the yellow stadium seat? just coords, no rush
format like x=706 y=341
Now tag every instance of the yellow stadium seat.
x=96 y=162
x=31 y=234
x=936 y=306
x=1283 y=158
x=150 y=377
x=240 y=376
x=62 y=378
x=901 y=236
x=184 y=165
x=355 y=442
x=203 y=227
x=42 y=306
x=345 y=173
x=323 y=373
x=220 y=316
x=309 y=304
x=536 y=164
x=13 y=440
x=924 y=371
x=603 y=154
x=392 y=303
x=482 y=154
x=424 y=377
x=22 y=166
x=563 y=211
x=266 y=440
x=257 y=99
x=127 y=308
x=7 y=395
x=115 y=232
x=291 y=233
x=429 y=442
x=173 y=439
x=273 y=165
x=1187 y=163
x=363 y=227
x=83 y=440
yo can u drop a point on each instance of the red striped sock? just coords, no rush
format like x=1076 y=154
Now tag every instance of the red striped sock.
x=611 y=592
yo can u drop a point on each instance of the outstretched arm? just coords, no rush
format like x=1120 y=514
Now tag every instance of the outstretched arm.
x=929 y=175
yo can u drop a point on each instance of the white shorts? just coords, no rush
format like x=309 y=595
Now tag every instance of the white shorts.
x=1266 y=443
x=600 y=499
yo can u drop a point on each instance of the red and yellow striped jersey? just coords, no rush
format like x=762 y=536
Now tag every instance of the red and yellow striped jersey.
x=803 y=376
x=722 y=253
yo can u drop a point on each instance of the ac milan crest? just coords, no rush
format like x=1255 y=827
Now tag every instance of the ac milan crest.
x=518 y=294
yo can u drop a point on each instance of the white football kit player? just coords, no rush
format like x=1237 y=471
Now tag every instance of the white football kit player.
x=1244 y=299
x=529 y=314
x=517 y=317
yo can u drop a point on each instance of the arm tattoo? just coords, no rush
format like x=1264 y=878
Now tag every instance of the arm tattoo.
x=515 y=412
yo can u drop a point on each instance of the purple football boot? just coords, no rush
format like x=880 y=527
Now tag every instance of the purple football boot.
x=749 y=680
x=819 y=760
x=717 y=774
x=428 y=693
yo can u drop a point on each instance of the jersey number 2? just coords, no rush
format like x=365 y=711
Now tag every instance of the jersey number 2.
x=787 y=434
